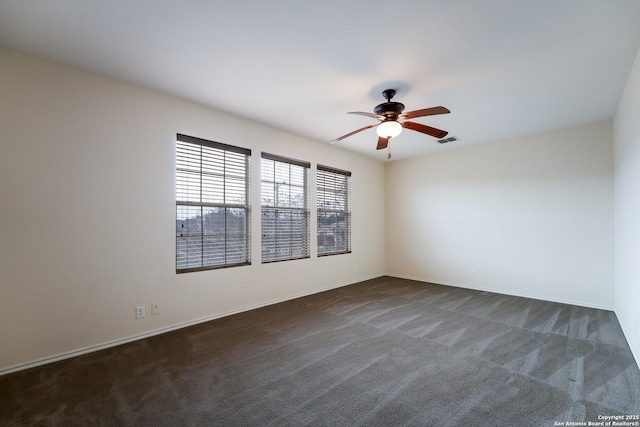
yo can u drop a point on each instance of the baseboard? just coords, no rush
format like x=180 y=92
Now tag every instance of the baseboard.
x=628 y=334
x=121 y=341
x=517 y=294
x=502 y=292
x=117 y=342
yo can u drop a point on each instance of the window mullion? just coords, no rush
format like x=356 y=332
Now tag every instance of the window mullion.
x=201 y=213
x=224 y=200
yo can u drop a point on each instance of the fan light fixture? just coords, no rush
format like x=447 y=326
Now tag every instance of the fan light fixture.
x=389 y=129
x=392 y=120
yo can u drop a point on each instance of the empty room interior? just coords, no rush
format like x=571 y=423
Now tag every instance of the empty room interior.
x=320 y=213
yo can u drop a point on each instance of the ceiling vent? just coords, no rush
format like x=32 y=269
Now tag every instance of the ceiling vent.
x=449 y=139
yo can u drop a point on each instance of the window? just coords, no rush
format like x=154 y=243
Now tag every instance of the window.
x=212 y=205
x=285 y=209
x=334 y=211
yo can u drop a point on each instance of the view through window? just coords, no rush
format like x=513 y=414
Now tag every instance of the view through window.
x=285 y=208
x=334 y=210
x=212 y=205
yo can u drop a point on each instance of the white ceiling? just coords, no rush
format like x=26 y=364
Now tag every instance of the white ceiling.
x=505 y=68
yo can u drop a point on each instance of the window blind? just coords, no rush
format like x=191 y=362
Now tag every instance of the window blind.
x=212 y=205
x=285 y=208
x=333 y=194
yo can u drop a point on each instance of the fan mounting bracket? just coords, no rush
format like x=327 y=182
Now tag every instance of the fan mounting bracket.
x=388 y=94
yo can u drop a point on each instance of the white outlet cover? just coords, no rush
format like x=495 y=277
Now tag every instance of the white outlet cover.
x=140 y=312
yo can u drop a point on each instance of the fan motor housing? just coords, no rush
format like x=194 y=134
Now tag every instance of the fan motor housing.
x=389 y=108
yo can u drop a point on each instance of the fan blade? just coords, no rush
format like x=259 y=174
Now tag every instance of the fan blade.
x=353 y=133
x=382 y=143
x=438 y=133
x=425 y=112
x=372 y=115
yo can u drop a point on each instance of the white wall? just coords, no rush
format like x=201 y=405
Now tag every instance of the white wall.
x=533 y=216
x=627 y=210
x=87 y=215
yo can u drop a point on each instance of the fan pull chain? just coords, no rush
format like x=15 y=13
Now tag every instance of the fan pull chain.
x=389 y=150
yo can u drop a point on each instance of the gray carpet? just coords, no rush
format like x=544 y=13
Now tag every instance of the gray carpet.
x=385 y=352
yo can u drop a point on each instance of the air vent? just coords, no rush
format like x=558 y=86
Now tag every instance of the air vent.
x=449 y=139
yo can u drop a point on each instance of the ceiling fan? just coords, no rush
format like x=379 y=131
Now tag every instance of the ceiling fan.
x=393 y=120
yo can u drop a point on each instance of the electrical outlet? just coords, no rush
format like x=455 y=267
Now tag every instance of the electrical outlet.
x=140 y=312
x=155 y=309
x=474 y=273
